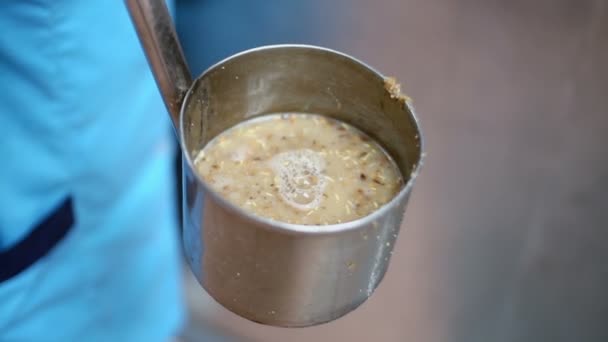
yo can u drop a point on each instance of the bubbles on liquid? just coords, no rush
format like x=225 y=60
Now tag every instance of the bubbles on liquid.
x=301 y=180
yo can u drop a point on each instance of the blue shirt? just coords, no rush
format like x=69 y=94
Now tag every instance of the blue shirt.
x=80 y=116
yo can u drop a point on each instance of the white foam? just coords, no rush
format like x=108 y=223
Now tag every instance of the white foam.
x=301 y=180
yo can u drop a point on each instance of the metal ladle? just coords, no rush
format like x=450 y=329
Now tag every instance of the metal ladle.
x=267 y=271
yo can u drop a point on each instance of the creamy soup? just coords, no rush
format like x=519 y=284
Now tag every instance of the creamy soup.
x=300 y=168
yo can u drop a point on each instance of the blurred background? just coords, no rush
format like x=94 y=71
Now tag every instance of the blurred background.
x=506 y=233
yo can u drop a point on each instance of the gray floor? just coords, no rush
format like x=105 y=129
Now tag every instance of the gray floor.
x=506 y=235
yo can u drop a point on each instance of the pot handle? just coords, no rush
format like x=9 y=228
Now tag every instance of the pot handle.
x=159 y=40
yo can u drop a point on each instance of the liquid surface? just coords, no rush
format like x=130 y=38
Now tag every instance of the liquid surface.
x=300 y=168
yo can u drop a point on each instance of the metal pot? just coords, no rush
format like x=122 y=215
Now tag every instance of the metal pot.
x=266 y=271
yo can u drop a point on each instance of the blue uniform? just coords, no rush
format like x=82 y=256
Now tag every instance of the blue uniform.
x=82 y=127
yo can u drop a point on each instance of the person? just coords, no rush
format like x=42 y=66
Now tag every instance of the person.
x=88 y=250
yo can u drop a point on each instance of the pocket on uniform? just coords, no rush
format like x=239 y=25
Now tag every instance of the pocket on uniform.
x=51 y=229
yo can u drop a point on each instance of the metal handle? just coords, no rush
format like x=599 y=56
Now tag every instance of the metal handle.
x=157 y=35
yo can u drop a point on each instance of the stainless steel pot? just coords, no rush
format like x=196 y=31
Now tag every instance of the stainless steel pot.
x=270 y=272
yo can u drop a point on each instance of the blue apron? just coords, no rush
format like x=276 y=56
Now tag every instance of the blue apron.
x=88 y=250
